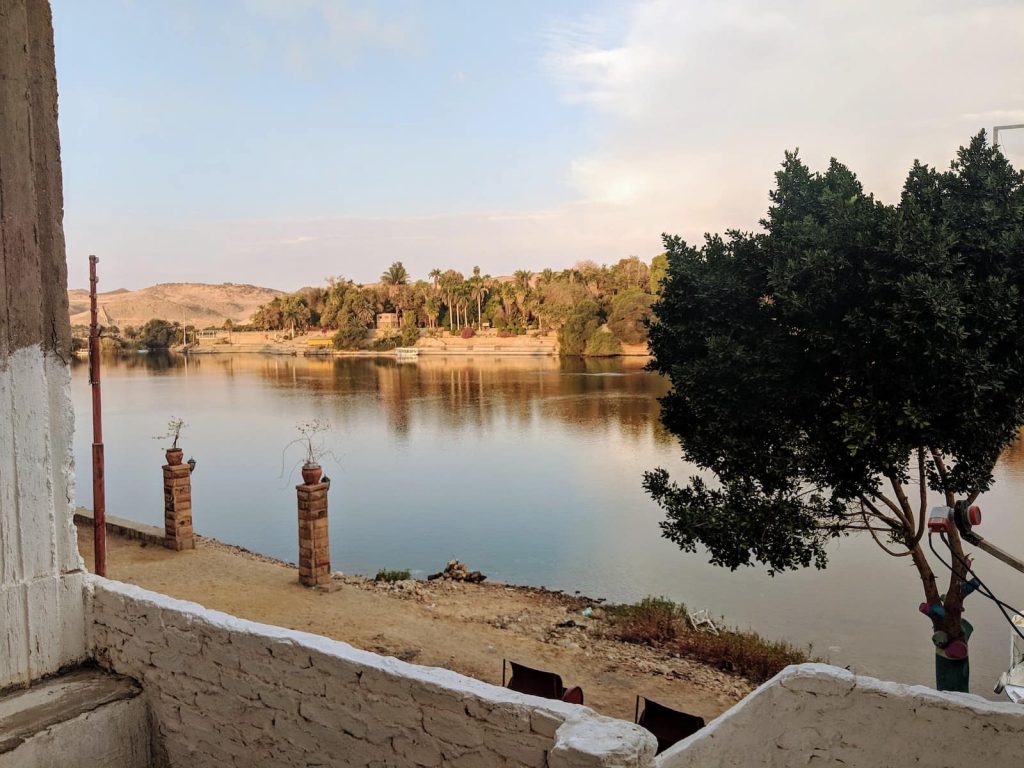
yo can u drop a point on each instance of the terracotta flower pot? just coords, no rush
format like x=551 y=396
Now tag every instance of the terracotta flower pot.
x=174 y=456
x=311 y=473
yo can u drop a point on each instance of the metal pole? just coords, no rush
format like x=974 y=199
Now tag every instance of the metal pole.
x=99 y=502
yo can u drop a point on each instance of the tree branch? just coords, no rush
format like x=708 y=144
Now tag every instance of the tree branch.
x=940 y=467
x=894 y=507
x=875 y=512
x=908 y=512
x=878 y=541
x=923 y=490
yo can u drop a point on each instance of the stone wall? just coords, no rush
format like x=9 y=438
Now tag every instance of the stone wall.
x=223 y=691
x=41 y=615
x=816 y=714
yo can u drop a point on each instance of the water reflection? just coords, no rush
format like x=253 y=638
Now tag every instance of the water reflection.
x=527 y=468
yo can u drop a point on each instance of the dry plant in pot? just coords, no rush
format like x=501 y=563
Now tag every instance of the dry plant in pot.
x=313 y=449
x=173 y=433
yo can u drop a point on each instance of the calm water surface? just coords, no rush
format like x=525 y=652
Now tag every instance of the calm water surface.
x=527 y=469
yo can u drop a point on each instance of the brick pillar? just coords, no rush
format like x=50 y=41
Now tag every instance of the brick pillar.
x=178 y=507
x=314 y=548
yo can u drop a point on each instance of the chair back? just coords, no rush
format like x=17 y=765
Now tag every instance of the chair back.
x=669 y=726
x=535 y=682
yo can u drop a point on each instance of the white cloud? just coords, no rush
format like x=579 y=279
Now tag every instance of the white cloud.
x=695 y=102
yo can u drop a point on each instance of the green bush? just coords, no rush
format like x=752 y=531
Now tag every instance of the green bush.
x=351 y=335
x=392 y=576
x=410 y=333
x=602 y=343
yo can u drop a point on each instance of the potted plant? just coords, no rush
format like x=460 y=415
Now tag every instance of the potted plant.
x=174 y=453
x=314 y=451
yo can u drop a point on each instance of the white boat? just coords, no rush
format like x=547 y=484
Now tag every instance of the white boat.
x=406 y=352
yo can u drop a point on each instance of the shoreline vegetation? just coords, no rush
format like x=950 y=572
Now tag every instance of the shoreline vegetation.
x=588 y=310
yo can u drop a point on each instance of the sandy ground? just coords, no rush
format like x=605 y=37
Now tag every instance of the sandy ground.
x=464 y=627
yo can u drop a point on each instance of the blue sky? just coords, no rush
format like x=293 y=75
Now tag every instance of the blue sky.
x=280 y=141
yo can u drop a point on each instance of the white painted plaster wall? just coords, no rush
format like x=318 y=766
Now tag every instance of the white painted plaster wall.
x=224 y=691
x=41 y=581
x=814 y=714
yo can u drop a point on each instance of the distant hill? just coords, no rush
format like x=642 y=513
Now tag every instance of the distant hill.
x=197 y=304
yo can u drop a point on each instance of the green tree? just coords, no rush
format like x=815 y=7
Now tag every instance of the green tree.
x=602 y=343
x=395 y=275
x=851 y=351
x=479 y=287
x=410 y=332
x=580 y=324
x=159 y=334
x=295 y=313
x=657 y=272
x=630 y=311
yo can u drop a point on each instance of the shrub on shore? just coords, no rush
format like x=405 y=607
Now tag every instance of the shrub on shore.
x=661 y=623
x=652 y=621
x=392 y=576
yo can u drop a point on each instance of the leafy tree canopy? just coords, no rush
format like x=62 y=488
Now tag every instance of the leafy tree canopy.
x=820 y=364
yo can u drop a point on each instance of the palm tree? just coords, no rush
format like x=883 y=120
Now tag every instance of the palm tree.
x=435 y=275
x=450 y=281
x=479 y=287
x=396 y=275
x=507 y=294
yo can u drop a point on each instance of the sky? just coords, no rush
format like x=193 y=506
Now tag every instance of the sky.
x=279 y=142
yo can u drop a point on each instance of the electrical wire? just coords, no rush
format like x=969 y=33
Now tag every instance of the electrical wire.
x=982 y=587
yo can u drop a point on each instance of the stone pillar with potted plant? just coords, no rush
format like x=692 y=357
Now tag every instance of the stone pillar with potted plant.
x=314 y=541
x=178 y=532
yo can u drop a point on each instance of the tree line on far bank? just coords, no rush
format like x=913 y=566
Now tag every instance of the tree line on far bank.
x=593 y=309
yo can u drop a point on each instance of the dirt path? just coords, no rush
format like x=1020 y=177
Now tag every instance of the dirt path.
x=464 y=627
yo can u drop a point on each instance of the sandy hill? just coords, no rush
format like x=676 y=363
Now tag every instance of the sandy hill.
x=197 y=304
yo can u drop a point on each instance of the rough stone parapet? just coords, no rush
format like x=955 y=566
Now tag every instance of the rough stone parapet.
x=314 y=541
x=229 y=692
x=818 y=714
x=178 y=532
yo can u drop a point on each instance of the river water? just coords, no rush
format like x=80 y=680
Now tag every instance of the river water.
x=528 y=469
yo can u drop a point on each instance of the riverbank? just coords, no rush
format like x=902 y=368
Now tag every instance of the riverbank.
x=487 y=343
x=468 y=628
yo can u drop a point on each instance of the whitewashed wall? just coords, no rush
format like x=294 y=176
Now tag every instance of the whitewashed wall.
x=41 y=608
x=815 y=714
x=223 y=691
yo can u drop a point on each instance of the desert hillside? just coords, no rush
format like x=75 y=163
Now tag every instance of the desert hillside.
x=197 y=304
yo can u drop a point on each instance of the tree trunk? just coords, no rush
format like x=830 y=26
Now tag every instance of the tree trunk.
x=951 y=674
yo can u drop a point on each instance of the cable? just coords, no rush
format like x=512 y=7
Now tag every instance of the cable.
x=987 y=592
x=982 y=587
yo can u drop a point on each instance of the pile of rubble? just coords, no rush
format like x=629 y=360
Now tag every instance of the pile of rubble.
x=456 y=571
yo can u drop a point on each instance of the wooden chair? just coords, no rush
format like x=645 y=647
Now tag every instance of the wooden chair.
x=535 y=682
x=669 y=726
